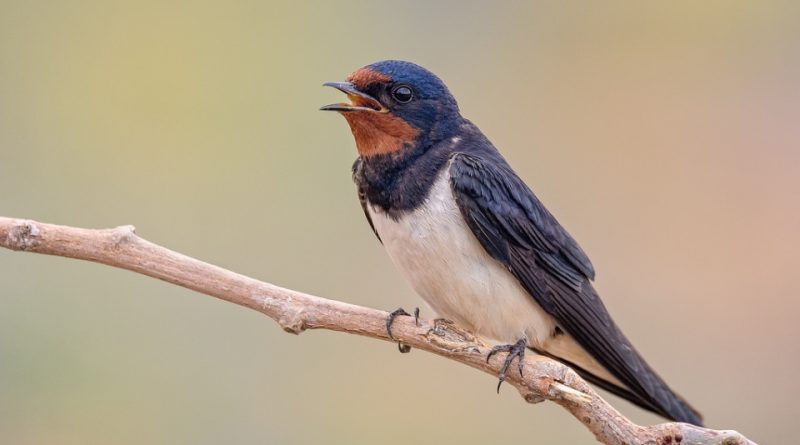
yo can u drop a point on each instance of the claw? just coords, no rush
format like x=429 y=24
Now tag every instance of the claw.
x=515 y=350
x=390 y=320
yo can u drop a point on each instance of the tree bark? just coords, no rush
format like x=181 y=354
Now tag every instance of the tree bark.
x=543 y=379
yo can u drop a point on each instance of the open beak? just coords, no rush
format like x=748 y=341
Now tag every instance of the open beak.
x=358 y=101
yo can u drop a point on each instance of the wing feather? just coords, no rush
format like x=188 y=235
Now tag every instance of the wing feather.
x=517 y=230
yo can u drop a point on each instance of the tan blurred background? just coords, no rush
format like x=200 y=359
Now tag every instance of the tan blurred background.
x=664 y=136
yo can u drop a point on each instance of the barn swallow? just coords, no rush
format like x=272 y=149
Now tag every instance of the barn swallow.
x=475 y=242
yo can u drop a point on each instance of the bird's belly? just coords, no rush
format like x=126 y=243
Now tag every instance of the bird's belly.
x=446 y=265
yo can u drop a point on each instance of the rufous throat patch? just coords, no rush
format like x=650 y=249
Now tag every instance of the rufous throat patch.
x=379 y=133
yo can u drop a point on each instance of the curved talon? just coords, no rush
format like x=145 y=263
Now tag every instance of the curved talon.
x=390 y=320
x=515 y=350
x=416 y=316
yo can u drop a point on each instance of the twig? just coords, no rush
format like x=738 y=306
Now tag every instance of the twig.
x=544 y=379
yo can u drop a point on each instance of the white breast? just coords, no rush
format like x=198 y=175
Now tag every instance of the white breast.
x=446 y=265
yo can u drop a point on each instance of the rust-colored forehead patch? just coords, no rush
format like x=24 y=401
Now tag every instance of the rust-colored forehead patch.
x=363 y=77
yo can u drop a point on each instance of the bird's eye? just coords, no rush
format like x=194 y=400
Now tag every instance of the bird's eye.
x=402 y=94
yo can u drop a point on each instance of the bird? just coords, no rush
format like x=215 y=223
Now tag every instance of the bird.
x=475 y=242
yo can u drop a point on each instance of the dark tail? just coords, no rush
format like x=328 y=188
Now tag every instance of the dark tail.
x=661 y=400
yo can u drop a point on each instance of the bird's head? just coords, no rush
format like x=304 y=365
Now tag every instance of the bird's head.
x=395 y=106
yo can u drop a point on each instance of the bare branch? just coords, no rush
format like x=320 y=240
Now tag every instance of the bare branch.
x=544 y=379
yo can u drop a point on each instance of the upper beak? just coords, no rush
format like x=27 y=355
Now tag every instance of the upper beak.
x=359 y=101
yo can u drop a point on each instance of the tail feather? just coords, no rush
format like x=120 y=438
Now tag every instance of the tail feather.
x=676 y=408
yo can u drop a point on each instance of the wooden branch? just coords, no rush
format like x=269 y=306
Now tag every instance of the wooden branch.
x=544 y=379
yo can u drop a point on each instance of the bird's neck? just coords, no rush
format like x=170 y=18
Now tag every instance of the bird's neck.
x=400 y=181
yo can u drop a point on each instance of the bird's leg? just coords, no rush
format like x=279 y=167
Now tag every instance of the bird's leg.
x=390 y=321
x=515 y=350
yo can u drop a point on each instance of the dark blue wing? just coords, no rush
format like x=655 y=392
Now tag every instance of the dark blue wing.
x=515 y=229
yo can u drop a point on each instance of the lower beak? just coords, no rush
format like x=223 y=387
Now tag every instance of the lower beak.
x=358 y=101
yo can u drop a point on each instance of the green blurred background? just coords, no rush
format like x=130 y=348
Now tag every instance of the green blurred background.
x=664 y=135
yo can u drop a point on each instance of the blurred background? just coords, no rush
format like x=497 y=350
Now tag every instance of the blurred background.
x=664 y=136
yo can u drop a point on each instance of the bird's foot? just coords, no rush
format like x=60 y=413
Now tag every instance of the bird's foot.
x=515 y=350
x=390 y=321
